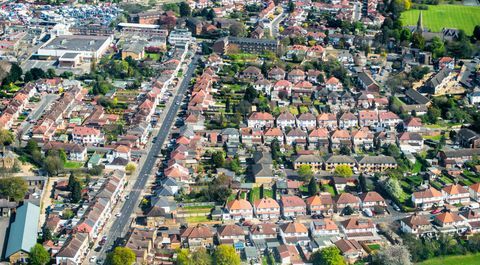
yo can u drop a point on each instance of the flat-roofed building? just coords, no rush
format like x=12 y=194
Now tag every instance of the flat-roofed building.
x=87 y=46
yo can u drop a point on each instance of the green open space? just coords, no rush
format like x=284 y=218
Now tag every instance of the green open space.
x=472 y=259
x=197 y=219
x=445 y=16
x=72 y=165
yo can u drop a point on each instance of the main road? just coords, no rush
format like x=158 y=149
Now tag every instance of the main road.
x=123 y=222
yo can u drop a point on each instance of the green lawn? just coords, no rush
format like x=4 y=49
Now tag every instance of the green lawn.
x=473 y=259
x=330 y=189
x=153 y=56
x=197 y=219
x=72 y=165
x=374 y=246
x=434 y=138
x=445 y=16
x=197 y=209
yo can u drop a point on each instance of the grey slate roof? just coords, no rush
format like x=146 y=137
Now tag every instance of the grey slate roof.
x=340 y=159
x=416 y=96
x=262 y=158
x=23 y=231
x=377 y=160
x=308 y=159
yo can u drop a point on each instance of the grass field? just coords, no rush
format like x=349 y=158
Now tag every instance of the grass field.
x=473 y=259
x=445 y=16
x=72 y=165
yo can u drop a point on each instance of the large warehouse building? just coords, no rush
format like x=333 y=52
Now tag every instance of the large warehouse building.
x=86 y=47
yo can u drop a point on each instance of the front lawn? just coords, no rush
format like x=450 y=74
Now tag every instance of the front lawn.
x=472 y=259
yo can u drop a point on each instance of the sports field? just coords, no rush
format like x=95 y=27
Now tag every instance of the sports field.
x=445 y=16
x=473 y=259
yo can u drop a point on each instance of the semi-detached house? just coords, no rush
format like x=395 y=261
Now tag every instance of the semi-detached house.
x=87 y=135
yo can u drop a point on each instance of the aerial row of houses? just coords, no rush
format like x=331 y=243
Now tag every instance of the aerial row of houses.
x=290 y=242
x=91 y=219
x=15 y=106
x=364 y=118
x=452 y=194
x=291 y=205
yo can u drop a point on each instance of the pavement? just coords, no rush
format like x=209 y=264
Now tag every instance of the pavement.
x=122 y=223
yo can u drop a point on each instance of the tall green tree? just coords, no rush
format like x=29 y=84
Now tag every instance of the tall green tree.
x=313 y=187
x=476 y=32
x=185 y=10
x=6 y=137
x=76 y=194
x=13 y=188
x=183 y=257
x=327 y=256
x=121 y=256
x=226 y=255
x=218 y=159
x=343 y=171
x=201 y=257
x=38 y=255
x=305 y=172
x=53 y=165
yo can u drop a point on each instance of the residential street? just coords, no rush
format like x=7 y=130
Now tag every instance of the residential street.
x=122 y=223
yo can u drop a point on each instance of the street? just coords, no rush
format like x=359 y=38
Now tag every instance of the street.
x=37 y=113
x=276 y=23
x=123 y=222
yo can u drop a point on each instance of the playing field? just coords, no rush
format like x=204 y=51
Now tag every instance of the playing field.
x=473 y=259
x=445 y=16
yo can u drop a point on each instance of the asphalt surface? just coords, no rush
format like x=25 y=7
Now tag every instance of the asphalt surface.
x=122 y=222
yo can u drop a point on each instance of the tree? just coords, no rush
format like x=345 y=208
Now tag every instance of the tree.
x=237 y=29
x=13 y=188
x=363 y=183
x=392 y=255
x=130 y=168
x=433 y=114
x=476 y=32
x=121 y=256
x=392 y=150
x=225 y=255
x=185 y=10
x=345 y=150
x=201 y=257
x=305 y=172
x=171 y=7
x=343 y=171
x=6 y=137
x=276 y=153
x=218 y=159
x=437 y=47
x=38 y=255
x=327 y=256
x=76 y=194
x=62 y=155
x=31 y=146
x=183 y=257
x=71 y=181
x=418 y=41
x=53 y=165
x=312 y=187
x=393 y=187
x=47 y=234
